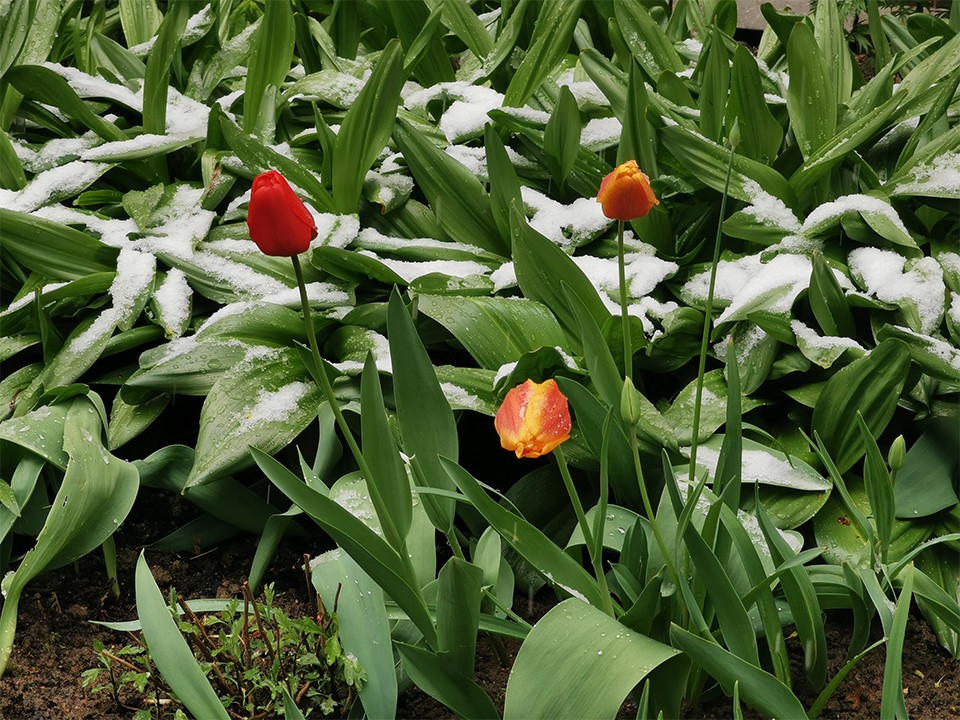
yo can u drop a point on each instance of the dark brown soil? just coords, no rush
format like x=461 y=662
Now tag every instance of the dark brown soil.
x=55 y=640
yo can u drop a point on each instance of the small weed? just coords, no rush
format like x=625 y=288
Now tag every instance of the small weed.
x=251 y=652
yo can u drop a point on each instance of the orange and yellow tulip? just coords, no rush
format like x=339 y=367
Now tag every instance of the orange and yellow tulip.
x=533 y=419
x=625 y=194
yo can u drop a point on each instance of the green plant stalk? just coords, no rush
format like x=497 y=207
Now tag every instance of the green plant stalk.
x=707 y=319
x=110 y=562
x=624 y=316
x=648 y=508
x=595 y=558
x=331 y=399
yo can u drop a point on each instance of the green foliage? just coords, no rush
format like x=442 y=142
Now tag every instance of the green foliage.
x=253 y=654
x=450 y=153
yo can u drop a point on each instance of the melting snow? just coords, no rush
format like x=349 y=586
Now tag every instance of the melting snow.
x=884 y=275
x=273 y=405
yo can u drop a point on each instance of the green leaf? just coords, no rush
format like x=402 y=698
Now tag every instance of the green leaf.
x=646 y=40
x=46 y=86
x=95 y=496
x=494 y=330
x=433 y=673
x=40 y=431
x=271 y=58
x=551 y=38
x=925 y=484
x=892 y=704
x=715 y=87
x=458 y=613
x=561 y=137
x=831 y=37
x=371 y=552
x=412 y=20
x=389 y=486
x=159 y=62
x=937 y=358
x=537 y=549
x=266 y=409
x=364 y=627
x=455 y=193
x=811 y=97
x=827 y=300
x=760 y=689
x=460 y=18
x=504 y=185
x=760 y=133
x=259 y=158
x=170 y=652
x=802 y=598
x=871 y=386
x=366 y=129
x=576 y=646
x=427 y=426
x=708 y=160
x=539 y=263
x=879 y=488
x=140 y=20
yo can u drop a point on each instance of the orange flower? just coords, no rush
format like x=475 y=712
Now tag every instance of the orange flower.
x=625 y=194
x=534 y=419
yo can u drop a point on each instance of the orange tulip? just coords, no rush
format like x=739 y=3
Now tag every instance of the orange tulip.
x=534 y=419
x=279 y=222
x=625 y=194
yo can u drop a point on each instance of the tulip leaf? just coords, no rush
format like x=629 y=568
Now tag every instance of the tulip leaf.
x=371 y=552
x=587 y=648
x=95 y=496
x=456 y=195
x=265 y=405
x=260 y=158
x=44 y=85
x=535 y=547
x=364 y=627
x=561 y=137
x=366 y=129
x=551 y=38
x=388 y=483
x=170 y=651
x=811 y=98
x=871 y=386
x=539 y=263
x=495 y=331
x=759 y=688
x=427 y=426
x=433 y=673
x=270 y=60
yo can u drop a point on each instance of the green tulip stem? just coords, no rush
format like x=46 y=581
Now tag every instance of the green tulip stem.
x=707 y=318
x=648 y=508
x=321 y=374
x=596 y=558
x=624 y=316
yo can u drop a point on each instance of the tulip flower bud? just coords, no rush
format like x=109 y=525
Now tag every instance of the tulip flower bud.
x=897 y=454
x=533 y=419
x=629 y=403
x=734 y=137
x=625 y=194
x=279 y=222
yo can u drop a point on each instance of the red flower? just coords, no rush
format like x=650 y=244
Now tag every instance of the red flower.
x=534 y=419
x=279 y=222
x=625 y=194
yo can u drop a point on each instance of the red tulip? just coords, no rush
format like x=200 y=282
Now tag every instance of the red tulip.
x=625 y=194
x=534 y=419
x=279 y=222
